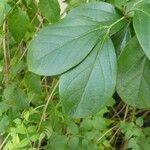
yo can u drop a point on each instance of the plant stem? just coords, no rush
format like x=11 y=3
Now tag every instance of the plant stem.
x=1 y=146
x=6 y=61
x=46 y=106
x=114 y=135
x=126 y=113
x=107 y=133
x=113 y=24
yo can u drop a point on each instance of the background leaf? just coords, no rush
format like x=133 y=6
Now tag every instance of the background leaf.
x=141 y=24
x=18 y=23
x=133 y=84
x=50 y=9
x=4 y=9
x=15 y=97
x=96 y=11
x=4 y=122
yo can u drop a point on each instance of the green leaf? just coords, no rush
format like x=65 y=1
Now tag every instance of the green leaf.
x=15 y=97
x=63 y=45
x=120 y=39
x=4 y=8
x=130 y=130
x=146 y=131
x=132 y=144
x=88 y=87
x=4 y=122
x=57 y=142
x=140 y=121
x=33 y=83
x=96 y=11
x=73 y=128
x=128 y=5
x=74 y=3
x=133 y=84
x=26 y=2
x=3 y=107
x=144 y=143
x=141 y=22
x=18 y=23
x=17 y=67
x=120 y=3
x=86 y=125
x=59 y=47
x=73 y=143
x=50 y=9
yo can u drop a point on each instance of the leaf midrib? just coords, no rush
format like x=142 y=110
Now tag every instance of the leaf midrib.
x=68 y=42
x=92 y=66
x=143 y=66
x=143 y=12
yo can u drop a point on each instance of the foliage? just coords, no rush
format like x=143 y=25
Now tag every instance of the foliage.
x=75 y=77
x=85 y=56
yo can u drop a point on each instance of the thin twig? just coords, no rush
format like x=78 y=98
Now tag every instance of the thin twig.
x=114 y=135
x=3 y=143
x=46 y=106
x=107 y=132
x=126 y=113
x=6 y=61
